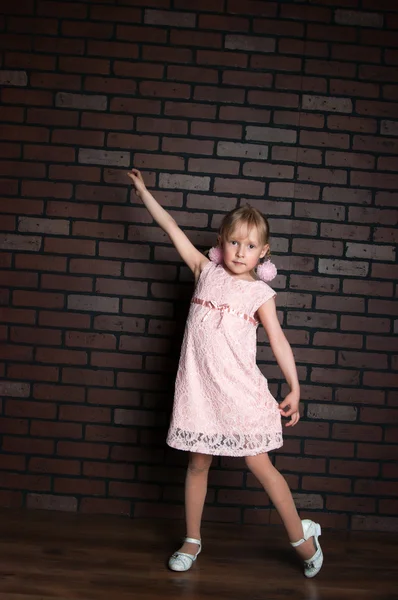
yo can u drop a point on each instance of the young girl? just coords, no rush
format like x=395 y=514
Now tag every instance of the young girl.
x=222 y=403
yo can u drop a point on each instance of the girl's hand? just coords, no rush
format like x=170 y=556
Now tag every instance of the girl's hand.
x=290 y=408
x=138 y=182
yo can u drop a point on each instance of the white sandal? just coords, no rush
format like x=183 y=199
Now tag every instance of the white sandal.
x=181 y=561
x=313 y=565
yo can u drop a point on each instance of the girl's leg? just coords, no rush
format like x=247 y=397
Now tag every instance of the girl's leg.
x=277 y=489
x=195 y=494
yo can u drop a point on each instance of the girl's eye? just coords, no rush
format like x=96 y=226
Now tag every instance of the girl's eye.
x=233 y=242
x=251 y=246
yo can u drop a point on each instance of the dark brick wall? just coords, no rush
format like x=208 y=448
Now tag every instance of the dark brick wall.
x=291 y=106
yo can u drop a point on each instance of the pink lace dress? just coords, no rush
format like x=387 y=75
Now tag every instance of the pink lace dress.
x=222 y=404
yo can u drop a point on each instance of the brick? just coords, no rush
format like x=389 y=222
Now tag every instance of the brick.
x=373 y=215
x=223 y=23
x=317 y=247
x=14 y=78
x=154 y=161
x=359 y=18
x=308 y=282
x=338 y=340
x=40 y=299
x=386 y=163
x=363 y=360
x=95 y=266
x=343 y=267
x=274 y=171
x=319 y=211
x=327 y=103
x=26 y=134
x=41 y=263
x=110 y=85
x=273 y=99
x=378 y=73
x=91 y=121
x=168 y=19
x=81 y=247
x=239 y=186
x=339 y=376
x=331 y=33
x=219 y=94
x=379 y=180
x=303 y=48
x=370 y=251
x=386 y=199
x=167 y=126
x=271 y=134
x=81 y=101
x=387 y=307
x=322 y=175
x=385 y=234
x=230 y=59
x=93 y=303
x=24 y=96
x=330 y=68
x=376 y=109
x=216 y=130
x=352 y=124
x=52 y=226
x=14 y=389
x=297 y=82
x=74 y=173
x=327 y=484
x=246 y=79
x=195 y=38
x=114 y=49
x=301 y=464
x=311 y=319
x=348 y=195
x=295 y=190
x=76 y=137
x=236 y=149
x=109 y=323
x=10 y=241
x=368 y=288
x=300 y=155
x=329 y=448
x=249 y=44
x=202 y=165
x=328 y=140
x=384 y=271
x=331 y=412
x=51 y=502
x=187 y=182
x=364 y=324
x=104 y=157
x=356 y=53
x=389 y=128
x=301 y=13
x=351 y=504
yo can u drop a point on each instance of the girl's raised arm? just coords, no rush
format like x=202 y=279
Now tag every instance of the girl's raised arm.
x=189 y=254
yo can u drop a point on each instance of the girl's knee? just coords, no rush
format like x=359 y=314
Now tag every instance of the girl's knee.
x=199 y=463
x=259 y=461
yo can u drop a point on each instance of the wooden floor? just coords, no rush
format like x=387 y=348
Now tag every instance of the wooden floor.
x=59 y=556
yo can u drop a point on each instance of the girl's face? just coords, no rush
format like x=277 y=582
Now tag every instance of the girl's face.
x=243 y=249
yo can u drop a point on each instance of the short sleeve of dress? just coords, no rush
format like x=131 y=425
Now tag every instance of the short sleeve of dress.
x=264 y=294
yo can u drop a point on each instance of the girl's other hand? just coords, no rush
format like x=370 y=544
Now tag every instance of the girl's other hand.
x=138 y=182
x=290 y=408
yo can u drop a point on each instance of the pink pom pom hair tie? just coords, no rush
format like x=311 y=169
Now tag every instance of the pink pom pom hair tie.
x=266 y=271
x=216 y=255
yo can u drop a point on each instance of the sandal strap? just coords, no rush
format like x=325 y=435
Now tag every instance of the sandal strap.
x=295 y=544
x=193 y=541
x=178 y=554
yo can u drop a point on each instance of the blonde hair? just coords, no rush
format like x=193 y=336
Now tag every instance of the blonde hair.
x=249 y=216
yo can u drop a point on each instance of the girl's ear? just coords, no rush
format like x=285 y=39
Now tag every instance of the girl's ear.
x=219 y=241
x=264 y=251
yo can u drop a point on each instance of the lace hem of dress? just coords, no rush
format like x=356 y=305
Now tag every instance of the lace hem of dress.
x=223 y=445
